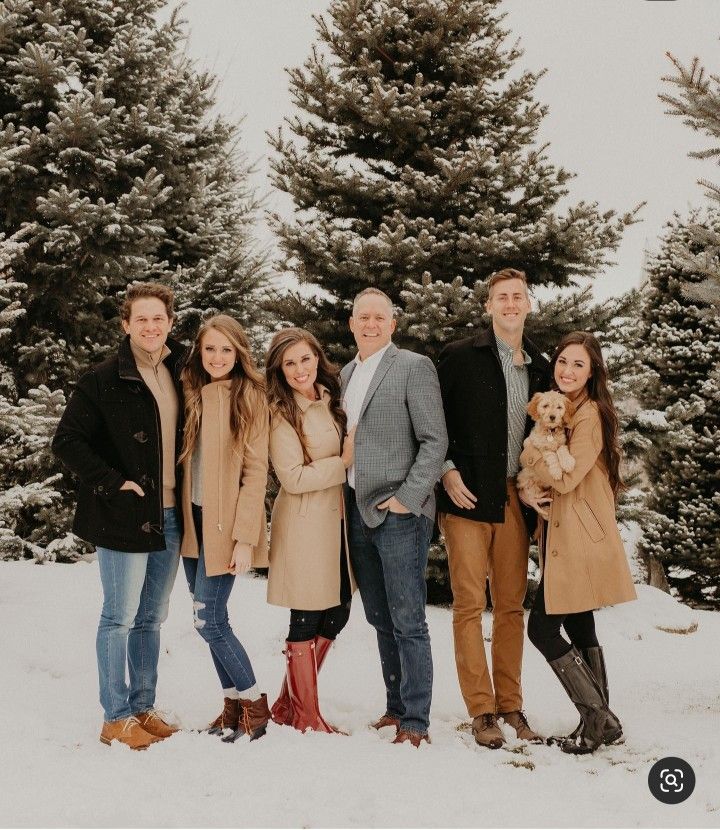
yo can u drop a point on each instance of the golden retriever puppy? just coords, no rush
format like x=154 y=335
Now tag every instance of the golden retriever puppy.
x=551 y=412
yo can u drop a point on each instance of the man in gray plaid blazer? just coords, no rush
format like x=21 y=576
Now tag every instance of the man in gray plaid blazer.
x=393 y=402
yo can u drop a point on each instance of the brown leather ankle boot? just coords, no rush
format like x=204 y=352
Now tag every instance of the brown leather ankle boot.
x=227 y=719
x=253 y=719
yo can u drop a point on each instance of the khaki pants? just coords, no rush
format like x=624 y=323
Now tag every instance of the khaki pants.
x=476 y=551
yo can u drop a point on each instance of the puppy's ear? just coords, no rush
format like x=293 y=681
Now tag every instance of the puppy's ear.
x=569 y=412
x=532 y=407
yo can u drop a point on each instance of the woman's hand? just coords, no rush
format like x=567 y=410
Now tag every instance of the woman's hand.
x=241 y=560
x=348 y=452
x=540 y=505
x=136 y=488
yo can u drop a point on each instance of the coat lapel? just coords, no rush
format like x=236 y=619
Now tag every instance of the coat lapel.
x=380 y=373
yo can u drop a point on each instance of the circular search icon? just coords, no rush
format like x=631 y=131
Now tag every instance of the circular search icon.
x=671 y=780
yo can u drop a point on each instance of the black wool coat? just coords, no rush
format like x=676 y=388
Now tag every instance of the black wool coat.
x=109 y=434
x=475 y=402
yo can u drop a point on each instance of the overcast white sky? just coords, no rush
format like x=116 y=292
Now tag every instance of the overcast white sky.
x=604 y=58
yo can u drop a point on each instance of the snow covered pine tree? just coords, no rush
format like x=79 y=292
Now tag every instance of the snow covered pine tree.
x=414 y=167
x=113 y=168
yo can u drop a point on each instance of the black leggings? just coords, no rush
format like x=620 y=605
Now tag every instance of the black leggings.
x=306 y=625
x=544 y=629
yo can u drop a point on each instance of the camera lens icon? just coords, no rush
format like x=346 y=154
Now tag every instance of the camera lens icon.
x=671 y=780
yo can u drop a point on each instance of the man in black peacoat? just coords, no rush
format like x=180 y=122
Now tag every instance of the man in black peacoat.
x=120 y=435
x=486 y=382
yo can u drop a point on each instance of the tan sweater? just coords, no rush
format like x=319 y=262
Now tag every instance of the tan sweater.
x=159 y=381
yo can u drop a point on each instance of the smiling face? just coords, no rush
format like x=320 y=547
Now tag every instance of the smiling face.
x=573 y=369
x=508 y=306
x=218 y=354
x=149 y=325
x=372 y=324
x=299 y=366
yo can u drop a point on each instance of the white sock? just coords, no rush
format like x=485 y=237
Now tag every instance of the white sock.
x=232 y=693
x=249 y=694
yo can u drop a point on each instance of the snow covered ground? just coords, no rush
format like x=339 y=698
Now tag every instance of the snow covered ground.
x=54 y=772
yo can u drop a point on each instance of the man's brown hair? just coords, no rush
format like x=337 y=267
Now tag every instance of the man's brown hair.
x=141 y=290
x=506 y=274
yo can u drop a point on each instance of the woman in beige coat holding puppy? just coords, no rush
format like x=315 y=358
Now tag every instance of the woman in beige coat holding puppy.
x=584 y=565
x=225 y=464
x=309 y=565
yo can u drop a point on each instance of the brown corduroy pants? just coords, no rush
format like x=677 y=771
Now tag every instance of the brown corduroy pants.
x=498 y=551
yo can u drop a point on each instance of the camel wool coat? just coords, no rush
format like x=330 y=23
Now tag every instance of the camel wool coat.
x=234 y=481
x=306 y=524
x=584 y=563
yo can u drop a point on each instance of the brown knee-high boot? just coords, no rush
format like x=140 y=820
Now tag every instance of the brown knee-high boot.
x=302 y=687
x=281 y=711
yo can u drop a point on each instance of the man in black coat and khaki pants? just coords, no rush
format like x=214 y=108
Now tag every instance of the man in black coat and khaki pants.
x=120 y=435
x=486 y=383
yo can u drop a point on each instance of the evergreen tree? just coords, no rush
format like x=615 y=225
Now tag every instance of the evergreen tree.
x=697 y=102
x=414 y=167
x=113 y=168
x=678 y=346
x=112 y=161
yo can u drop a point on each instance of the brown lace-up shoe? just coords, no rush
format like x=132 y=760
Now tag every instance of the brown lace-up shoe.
x=227 y=719
x=127 y=731
x=415 y=738
x=152 y=722
x=386 y=720
x=253 y=719
x=486 y=731
x=522 y=728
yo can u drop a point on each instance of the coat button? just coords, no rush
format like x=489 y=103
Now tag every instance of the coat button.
x=554 y=553
x=101 y=489
x=141 y=437
x=146 y=528
x=557 y=524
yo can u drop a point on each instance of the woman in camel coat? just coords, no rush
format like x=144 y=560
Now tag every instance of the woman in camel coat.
x=583 y=561
x=310 y=570
x=225 y=465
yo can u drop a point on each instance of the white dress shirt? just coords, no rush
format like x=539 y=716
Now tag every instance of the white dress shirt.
x=355 y=394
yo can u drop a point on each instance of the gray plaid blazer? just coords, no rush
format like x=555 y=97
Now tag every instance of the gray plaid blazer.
x=401 y=439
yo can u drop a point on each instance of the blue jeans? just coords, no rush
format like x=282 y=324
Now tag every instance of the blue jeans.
x=389 y=564
x=210 y=596
x=136 y=589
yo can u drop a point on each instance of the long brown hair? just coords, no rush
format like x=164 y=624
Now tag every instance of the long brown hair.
x=280 y=396
x=247 y=387
x=597 y=389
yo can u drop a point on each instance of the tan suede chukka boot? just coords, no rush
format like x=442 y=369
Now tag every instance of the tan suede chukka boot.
x=152 y=722
x=127 y=731
x=522 y=728
x=486 y=731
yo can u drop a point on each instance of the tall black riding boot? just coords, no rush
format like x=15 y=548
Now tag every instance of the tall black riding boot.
x=599 y=724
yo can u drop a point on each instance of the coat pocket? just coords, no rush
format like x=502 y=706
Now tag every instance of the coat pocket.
x=589 y=520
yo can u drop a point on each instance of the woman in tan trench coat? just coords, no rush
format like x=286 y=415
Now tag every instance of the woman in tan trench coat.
x=583 y=561
x=225 y=464
x=309 y=566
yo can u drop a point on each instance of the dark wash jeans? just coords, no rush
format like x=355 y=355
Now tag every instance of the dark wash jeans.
x=389 y=564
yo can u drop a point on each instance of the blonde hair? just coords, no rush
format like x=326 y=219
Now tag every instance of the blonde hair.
x=248 y=404
x=506 y=274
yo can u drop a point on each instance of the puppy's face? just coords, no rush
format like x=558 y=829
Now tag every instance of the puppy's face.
x=551 y=409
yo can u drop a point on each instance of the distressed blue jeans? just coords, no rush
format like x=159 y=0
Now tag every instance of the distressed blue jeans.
x=210 y=596
x=389 y=564
x=136 y=598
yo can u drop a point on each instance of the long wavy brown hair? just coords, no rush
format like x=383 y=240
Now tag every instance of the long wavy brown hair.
x=248 y=401
x=597 y=389
x=280 y=395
